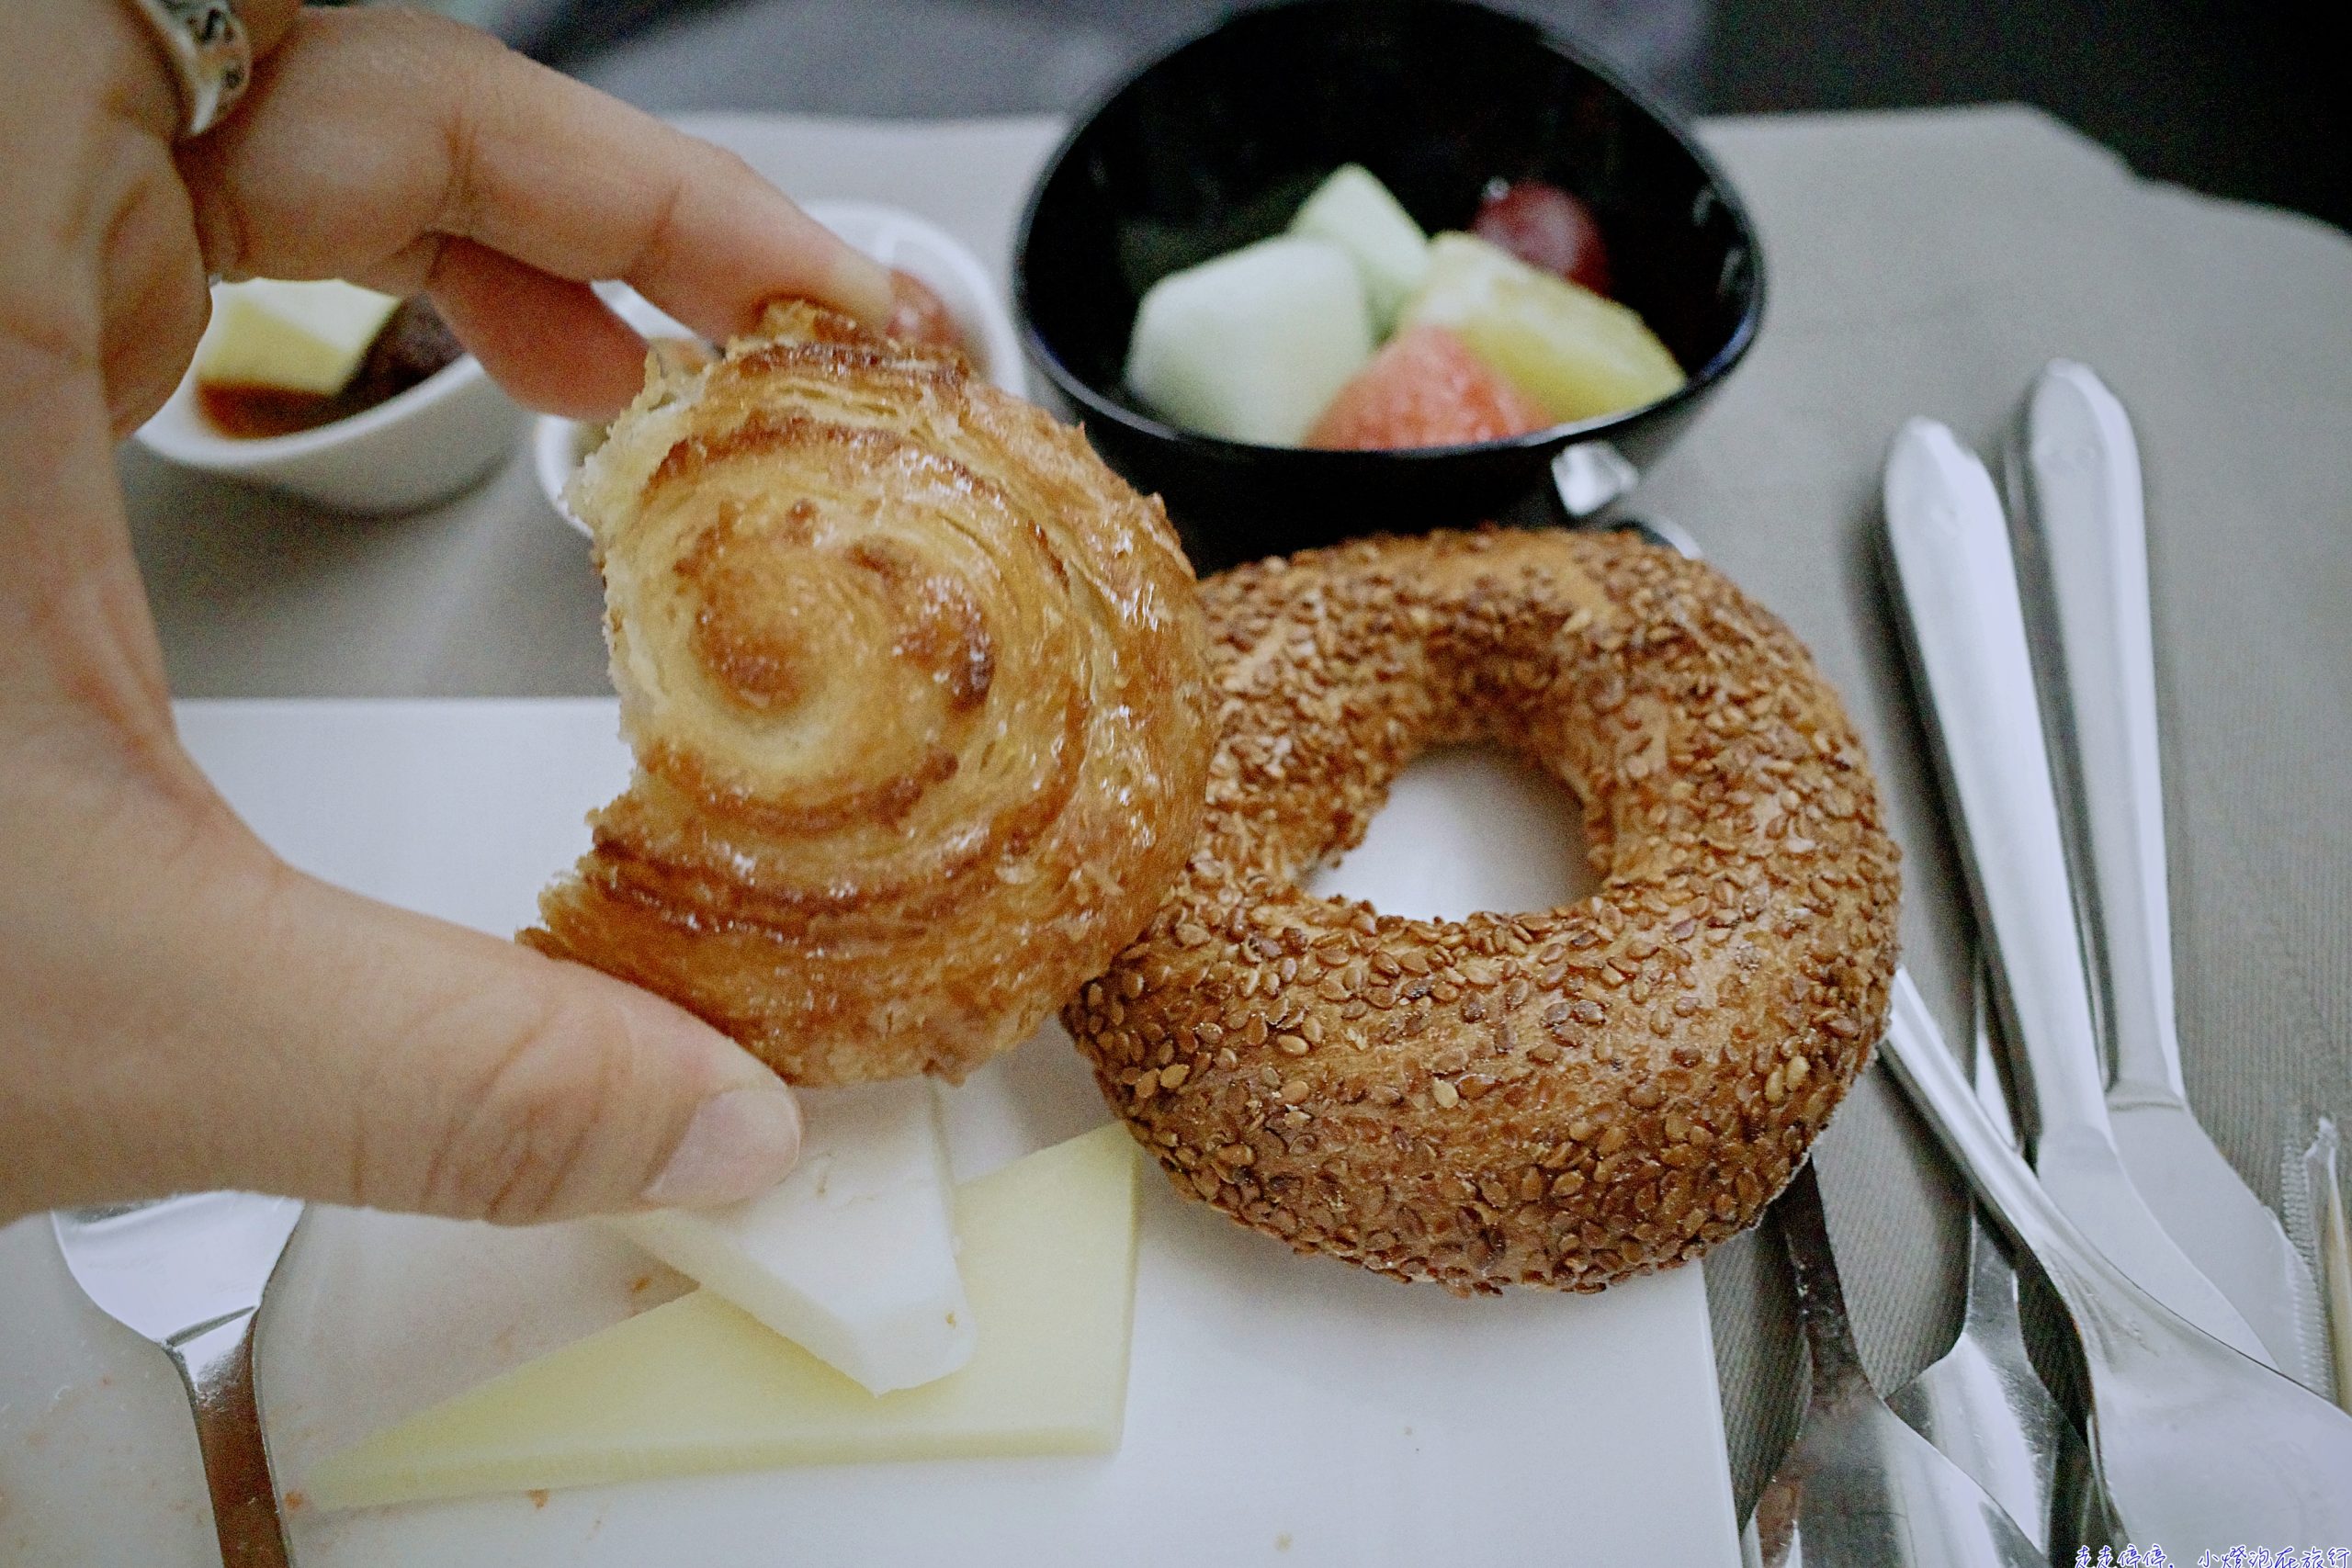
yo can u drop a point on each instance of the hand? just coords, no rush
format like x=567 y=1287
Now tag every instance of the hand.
x=178 y=1009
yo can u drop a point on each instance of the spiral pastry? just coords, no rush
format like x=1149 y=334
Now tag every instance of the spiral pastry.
x=916 y=690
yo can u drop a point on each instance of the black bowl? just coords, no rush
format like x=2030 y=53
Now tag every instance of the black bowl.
x=1217 y=143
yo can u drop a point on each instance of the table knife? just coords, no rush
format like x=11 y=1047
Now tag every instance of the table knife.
x=2313 y=1201
x=2077 y=521
x=1956 y=584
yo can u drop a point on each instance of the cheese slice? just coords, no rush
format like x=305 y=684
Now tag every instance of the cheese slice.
x=298 y=337
x=694 y=1385
x=853 y=1255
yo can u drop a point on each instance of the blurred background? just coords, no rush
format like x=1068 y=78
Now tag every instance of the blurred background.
x=2236 y=99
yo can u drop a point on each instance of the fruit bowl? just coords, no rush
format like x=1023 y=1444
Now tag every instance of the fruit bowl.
x=1215 y=145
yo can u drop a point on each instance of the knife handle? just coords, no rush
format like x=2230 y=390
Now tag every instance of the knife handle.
x=1956 y=582
x=218 y=1367
x=2081 y=518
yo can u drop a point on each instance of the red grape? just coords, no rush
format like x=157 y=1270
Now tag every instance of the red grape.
x=1545 y=226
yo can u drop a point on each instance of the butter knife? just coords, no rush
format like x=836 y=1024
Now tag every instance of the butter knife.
x=1949 y=546
x=2078 y=522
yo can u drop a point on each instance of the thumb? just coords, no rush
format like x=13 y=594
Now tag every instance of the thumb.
x=263 y=1029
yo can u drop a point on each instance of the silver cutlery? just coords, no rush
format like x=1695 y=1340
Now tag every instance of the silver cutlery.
x=2197 y=1446
x=1859 y=1486
x=1982 y=1403
x=188 y=1273
x=1957 y=584
x=2078 y=522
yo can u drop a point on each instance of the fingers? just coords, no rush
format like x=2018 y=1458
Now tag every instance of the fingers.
x=370 y=130
x=156 y=303
x=549 y=341
x=453 y=1073
x=200 y=1016
x=266 y=21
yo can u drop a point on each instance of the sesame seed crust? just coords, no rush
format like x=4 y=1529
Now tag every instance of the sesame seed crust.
x=1561 y=1098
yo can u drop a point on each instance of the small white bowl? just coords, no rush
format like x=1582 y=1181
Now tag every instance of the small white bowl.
x=892 y=236
x=406 y=453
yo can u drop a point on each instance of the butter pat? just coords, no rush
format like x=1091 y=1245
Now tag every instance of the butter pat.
x=299 y=337
x=696 y=1385
x=853 y=1256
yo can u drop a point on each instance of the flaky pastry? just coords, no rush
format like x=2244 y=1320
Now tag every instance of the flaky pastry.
x=915 y=689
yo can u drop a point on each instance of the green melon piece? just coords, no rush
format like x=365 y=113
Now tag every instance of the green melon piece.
x=1251 y=344
x=1355 y=211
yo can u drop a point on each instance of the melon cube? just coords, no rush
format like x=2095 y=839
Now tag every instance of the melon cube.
x=1578 y=355
x=1426 y=389
x=1251 y=344
x=1355 y=211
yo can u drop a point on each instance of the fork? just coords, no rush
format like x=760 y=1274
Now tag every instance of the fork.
x=2194 y=1444
x=1982 y=1403
x=1858 y=1486
x=187 y=1273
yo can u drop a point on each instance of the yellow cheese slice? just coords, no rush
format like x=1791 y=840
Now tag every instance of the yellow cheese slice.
x=696 y=1385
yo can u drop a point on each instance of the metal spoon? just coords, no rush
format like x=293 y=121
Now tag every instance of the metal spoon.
x=1982 y=1403
x=1859 y=1486
x=2198 y=1447
x=188 y=1273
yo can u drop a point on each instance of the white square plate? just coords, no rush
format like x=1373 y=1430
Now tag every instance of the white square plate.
x=1281 y=1409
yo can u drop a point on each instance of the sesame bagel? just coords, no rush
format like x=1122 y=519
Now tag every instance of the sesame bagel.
x=1560 y=1097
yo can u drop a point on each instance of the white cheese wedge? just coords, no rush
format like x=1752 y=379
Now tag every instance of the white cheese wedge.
x=1356 y=212
x=853 y=1256
x=1252 y=346
x=695 y=1386
x=302 y=337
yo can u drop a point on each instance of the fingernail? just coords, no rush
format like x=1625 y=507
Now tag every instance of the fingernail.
x=864 y=284
x=740 y=1144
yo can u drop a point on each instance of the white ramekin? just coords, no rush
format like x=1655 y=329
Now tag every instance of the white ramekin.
x=406 y=453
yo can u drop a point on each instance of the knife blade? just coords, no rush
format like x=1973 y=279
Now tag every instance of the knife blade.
x=1949 y=546
x=2078 y=524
